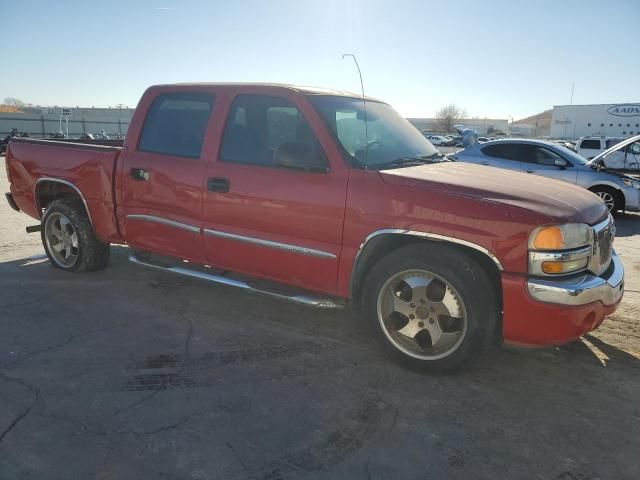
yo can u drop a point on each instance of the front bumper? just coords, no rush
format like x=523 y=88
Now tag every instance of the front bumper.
x=587 y=288
x=12 y=202
x=541 y=312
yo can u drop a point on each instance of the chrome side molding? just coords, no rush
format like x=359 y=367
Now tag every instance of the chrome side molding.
x=164 y=221
x=312 y=252
x=309 y=299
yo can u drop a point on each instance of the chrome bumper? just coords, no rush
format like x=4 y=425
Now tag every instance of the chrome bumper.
x=584 y=289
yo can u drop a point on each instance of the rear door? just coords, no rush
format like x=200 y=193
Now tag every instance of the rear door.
x=161 y=176
x=268 y=220
x=502 y=155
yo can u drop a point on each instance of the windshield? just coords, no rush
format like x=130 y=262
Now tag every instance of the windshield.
x=388 y=136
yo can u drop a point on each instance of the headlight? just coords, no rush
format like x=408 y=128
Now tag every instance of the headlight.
x=561 y=237
x=631 y=183
x=560 y=249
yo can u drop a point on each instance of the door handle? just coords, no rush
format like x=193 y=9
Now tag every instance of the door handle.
x=140 y=174
x=218 y=184
x=529 y=171
x=484 y=163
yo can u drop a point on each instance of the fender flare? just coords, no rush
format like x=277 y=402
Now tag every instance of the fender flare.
x=64 y=182
x=426 y=235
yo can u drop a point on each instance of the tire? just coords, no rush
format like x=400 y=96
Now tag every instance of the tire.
x=66 y=226
x=465 y=319
x=610 y=196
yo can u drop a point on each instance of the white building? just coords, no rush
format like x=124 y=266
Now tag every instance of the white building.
x=44 y=121
x=611 y=120
x=484 y=126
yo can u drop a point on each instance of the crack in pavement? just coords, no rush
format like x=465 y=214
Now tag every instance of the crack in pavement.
x=187 y=343
x=71 y=339
x=163 y=385
x=26 y=411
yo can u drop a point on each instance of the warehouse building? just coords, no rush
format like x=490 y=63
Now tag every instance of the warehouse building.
x=610 y=120
x=45 y=121
x=484 y=126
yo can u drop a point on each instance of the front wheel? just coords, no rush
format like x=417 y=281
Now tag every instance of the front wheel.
x=610 y=197
x=69 y=240
x=433 y=307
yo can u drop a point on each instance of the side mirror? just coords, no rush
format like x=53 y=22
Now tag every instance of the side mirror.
x=299 y=156
x=560 y=163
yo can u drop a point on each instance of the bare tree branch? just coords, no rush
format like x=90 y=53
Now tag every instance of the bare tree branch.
x=449 y=115
x=14 y=102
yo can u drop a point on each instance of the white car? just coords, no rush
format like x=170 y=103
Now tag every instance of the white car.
x=438 y=139
x=623 y=159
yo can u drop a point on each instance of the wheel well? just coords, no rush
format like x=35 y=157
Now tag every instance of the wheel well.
x=384 y=244
x=616 y=191
x=48 y=191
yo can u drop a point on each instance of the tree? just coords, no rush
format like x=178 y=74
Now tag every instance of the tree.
x=448 y=116
x=14 y=102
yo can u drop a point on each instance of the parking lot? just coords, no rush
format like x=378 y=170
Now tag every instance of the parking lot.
x=131 y=373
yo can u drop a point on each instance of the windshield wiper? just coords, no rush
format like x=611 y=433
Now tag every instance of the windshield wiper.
x=409 y=161
x=438 y=155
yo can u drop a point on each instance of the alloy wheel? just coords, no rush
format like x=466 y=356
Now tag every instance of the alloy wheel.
x=62 y=240
x=422 y=314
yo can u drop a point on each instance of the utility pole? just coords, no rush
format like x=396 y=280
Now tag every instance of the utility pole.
x=572 y=88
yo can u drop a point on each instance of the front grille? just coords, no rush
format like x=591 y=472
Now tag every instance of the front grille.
x=605 y=245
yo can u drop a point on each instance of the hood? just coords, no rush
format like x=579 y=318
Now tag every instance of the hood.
x=615 y=148
x=556 y=200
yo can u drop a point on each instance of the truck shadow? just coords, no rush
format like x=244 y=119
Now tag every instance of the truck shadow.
x=38 y=283
x=627 y=224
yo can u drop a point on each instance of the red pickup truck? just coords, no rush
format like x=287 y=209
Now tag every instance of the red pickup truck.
x=322 y=197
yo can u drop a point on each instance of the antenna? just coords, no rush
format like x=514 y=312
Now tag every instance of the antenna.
x=364 y=107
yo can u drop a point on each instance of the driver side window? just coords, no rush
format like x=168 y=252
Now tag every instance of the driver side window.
x=270 y=131
x=542 y=156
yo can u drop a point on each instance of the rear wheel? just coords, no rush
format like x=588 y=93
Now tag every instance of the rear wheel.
x=433 y=307
x=69 y=240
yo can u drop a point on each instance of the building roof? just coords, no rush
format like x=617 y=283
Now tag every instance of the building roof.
x=595 y=104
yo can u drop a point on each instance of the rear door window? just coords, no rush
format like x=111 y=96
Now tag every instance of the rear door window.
x=506 y=151
x=590 y=144
x=176 y=124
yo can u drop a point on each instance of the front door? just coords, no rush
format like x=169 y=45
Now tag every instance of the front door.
x=274 y=204
x=547 y=163
x=161 y=178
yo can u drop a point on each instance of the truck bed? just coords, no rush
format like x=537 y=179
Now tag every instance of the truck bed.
x=38 y=167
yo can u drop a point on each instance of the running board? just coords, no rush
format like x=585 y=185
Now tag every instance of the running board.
x=285 y=293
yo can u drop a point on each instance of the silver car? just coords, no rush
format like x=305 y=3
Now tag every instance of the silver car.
x=537 y=157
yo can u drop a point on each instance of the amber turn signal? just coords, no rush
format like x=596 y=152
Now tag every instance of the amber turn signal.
x=549 y=238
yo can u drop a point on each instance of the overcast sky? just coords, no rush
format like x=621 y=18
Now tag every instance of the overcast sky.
x=495 y=58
